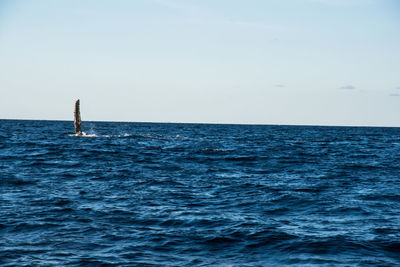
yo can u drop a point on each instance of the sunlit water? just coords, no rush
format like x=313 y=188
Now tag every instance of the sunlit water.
x=143 y=194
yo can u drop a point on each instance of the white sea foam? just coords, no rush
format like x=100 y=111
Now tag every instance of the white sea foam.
x=124 y=135
x=89 y=135
x=92 y=135
x=84 y=135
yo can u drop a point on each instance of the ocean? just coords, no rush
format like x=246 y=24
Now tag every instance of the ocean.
x=165 y=194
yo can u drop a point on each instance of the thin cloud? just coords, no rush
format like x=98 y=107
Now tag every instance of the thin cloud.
x=181 y=6
x=279 y=85
x=347 y=87
x=200 y=14
x=396 y=94
x=398 y=87
x=344 y=3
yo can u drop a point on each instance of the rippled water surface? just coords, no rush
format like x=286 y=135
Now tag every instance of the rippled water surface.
x=143 y=194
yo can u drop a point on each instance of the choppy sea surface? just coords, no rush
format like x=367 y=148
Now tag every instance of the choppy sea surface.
x=148 y=194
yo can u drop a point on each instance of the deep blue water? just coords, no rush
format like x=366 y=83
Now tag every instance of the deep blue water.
x=143 y=194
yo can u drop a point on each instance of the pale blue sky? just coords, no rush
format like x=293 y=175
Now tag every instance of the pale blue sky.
x=325 y=62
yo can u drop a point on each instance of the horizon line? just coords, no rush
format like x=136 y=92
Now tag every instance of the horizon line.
x=213 y=123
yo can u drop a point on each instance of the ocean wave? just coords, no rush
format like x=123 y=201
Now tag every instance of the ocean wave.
x=162 y=194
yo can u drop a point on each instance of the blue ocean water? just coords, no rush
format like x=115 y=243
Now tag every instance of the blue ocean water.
x=148 y=194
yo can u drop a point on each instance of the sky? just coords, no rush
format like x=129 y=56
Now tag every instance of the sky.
x=293 y=62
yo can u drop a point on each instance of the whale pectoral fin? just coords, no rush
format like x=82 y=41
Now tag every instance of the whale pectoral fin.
x=77 y=118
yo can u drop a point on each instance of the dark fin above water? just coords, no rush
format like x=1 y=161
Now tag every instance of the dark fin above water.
x=77 y=118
